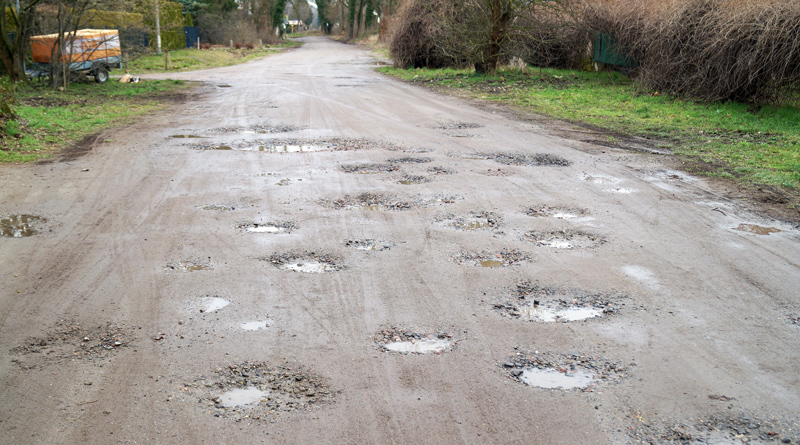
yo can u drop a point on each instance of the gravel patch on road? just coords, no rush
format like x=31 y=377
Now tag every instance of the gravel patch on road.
x=535 y=160
x=409 y=341
x=504 y=258
x=565 y=239
x=369 y=168
x=603 y=370
x=72 y=341
x=410 y=160
x=456 y=125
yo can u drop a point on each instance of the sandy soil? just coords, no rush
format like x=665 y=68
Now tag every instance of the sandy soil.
x=105 y=336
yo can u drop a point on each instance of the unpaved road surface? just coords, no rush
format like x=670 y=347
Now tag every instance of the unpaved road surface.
x=484 y=229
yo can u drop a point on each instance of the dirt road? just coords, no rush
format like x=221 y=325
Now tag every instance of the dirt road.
x=316 y=217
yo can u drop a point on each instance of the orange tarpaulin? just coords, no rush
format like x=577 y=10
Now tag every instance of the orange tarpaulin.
x=87 y=44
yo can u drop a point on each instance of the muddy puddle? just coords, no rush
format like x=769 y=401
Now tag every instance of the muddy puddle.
x=406 y=341
x=370 y=245
x=504 y=258
x=565 y=239
x=256 y=129
x=188 y=266
x=305 y=262
x=368 y=169
x=473 y=221
x=530 y=301
x=556 y=212
x=20 y=226
x=413 y=179
x=242 y=397
x=269 y=227
x=620 y=190
x=252 y=391
x=562 y=371
x=301 y=145
x=758 y=230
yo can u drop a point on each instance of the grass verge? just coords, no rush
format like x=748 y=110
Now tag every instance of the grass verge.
x=753 y=146
x=192 y=59
x=51 y=120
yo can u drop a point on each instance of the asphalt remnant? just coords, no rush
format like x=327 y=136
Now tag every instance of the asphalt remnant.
x=20 y=226
x=407 y=341
x=504 y=258
x=551 y=370
x=72 y=341
x=565 y=239
x=306 y=262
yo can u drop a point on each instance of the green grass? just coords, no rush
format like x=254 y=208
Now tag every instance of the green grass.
x=50 y=120
x=191 y=59
x=753 y=145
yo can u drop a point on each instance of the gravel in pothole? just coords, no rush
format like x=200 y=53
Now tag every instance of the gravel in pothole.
x=372 y=245
x=530 y=301
x=306 y=262
x=557 y=212
x=436 y=170
x=366 y=169
x=189 y=266
x=410 y=160
x=252 y=391
x=20 y=226
x=494 y=172
x=722 y=427
x=474 y=221
x=257 y=129
x=455 y=125
x=413 y=179
x=533 y=160
x=369 y=201
x=71 y=341
x=269 y=227
x=407 y=341
x=504 y=258
x=565 y=239
x=220 y=207
x=550 y=370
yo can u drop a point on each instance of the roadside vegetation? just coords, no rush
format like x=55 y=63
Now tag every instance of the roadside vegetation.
x=46 y=120
x=192 y=59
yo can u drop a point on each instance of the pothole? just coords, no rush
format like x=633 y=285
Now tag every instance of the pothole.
x=270 y=227
x=555 y=212
x=255 y=325
x=221 y=207
x=461 y=135
x=475 y=221
x=253 y=391
x=20 y=226
x=723 y=427
x=758 y=230
x=371 y=245
x=189 y=266
x=534 y=160
x=208 y=304
x=406 y=341
x=475 y=156
x=284 y=182
x=620 y=190
x=533 y=302
x=441 y=171
x=366 y=169
x=413 y=179
x=256 y=129
x=306 y=262
x=455 y=125
x=565 y=239
x=71 y=341
x=504 y=258
x=224 y=86
x=562 y=371
x=301 y=145
x=601 y=179
x=187 y=136
x=369 y=201
x=410 y=160
x=494 y=172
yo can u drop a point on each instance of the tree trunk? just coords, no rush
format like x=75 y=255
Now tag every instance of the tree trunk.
x=500 y=18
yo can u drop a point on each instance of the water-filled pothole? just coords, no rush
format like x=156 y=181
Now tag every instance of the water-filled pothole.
x=555 y=212
x=256 y=129
x=366 y=169
x=455 y=125
x=187 y=136
x=406 y=341
x=475 y=221
x=270 y=227
x=210 y=303
x=600 y=179
x=410 y=160
x=758 y=230
x=255 y=325
x=436 y=170
x=369 y=244
x=565 y=239
x=562 y=371
x=301 y=145
x=71 y=341
x=534 y=160
x=494 y=172
x=189 y=266
x=529 y=301
x=20 y=226
x=306 y=262
x=504 y=258
x=256 y=391
x=413 y=179
x=369 y=201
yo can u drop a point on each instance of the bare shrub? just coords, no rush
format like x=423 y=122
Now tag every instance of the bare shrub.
x=205 y=46
x=237 y=45
x=249 y=45
x=415 y=34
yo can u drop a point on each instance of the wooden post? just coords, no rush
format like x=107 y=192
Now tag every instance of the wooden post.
x=166 y=60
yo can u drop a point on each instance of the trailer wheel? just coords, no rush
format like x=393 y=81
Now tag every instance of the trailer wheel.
x=101 y=75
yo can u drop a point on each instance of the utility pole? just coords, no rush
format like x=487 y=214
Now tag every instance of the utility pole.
x=158 y=31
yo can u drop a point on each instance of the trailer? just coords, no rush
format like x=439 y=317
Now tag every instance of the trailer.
x=90 y=52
